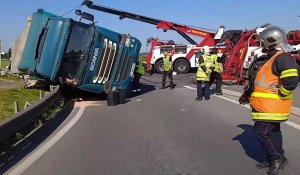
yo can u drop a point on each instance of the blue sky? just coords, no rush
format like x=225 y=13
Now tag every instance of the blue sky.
x=234 y=14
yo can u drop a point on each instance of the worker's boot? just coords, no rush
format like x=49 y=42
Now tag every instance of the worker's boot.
x=219 y=93
x=163 y=86
x=207 y=98
x=277 y=165
x=263 y=165
x=172 y=86
x=198 y=98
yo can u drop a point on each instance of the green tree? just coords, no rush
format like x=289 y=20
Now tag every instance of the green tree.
x=8 y=54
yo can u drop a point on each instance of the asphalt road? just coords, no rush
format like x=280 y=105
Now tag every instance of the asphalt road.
x=161 y=132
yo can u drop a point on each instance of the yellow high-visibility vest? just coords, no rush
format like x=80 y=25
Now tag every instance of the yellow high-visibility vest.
x=167 y=63
x=208 y=63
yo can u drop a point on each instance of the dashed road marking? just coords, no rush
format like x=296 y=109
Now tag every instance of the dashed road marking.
x=19 y=169
x=292 y=124
x=26 y=146
x=10 y=158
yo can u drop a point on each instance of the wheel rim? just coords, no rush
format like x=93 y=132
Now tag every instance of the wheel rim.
x=161 y=67
x=181 y=66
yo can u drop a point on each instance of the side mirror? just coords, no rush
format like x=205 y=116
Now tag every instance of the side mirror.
x=87 y=16
x=78 y=12
x=84 y=15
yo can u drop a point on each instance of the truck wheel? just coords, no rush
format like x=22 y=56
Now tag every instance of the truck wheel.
x=181 y=66
x=158 y=66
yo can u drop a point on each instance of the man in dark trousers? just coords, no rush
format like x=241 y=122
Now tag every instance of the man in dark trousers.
x=168 y=71
x=272 y=78
x=138 y=73
x=216 y=75
x=205 y=67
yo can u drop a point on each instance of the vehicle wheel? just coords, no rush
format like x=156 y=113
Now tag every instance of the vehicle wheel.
x=158 y=66
x=181 y=66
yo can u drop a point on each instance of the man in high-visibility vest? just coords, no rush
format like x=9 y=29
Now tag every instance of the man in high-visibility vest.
x=216 y=74
x=168 y=71
x=205 y=67
x=138 y=73
x=272 y=78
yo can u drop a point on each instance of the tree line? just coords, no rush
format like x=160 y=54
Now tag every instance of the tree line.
x=6 y=55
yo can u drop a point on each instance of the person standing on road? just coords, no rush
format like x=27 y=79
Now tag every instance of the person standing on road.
x=205 y=67
x=272 y=78
x=168 y=71
x=216 y=74
x=138 y=73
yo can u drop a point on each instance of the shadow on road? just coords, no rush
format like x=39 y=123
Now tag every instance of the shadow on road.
x=145 y=88
x=250 y=143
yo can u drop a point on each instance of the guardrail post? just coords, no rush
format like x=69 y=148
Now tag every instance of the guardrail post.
x=52 y=87
x=16 y=107
x=41 y=94
x=27 y=103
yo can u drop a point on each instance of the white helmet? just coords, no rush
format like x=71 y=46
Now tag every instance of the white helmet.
x=274 y=38
x=205 y=50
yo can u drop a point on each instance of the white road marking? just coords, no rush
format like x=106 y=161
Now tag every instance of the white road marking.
x=26 y=146
x=10 y=158
x=189 y=87
x=292 y=124
x=19 y=169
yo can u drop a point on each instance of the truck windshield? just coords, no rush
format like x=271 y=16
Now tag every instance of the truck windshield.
x=76 y=55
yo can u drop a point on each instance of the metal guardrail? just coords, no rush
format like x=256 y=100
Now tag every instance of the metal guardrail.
x=20 y=120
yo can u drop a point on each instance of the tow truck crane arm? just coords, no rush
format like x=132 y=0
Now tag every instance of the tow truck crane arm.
x=183 y=30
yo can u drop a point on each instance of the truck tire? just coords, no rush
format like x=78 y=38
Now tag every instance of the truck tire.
x=182 y=66
x=158 y=66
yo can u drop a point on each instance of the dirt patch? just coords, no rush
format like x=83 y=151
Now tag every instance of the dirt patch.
x=9 y=84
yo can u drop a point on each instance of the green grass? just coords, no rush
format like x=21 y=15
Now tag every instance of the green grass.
x=8 y=97
x=4 y=63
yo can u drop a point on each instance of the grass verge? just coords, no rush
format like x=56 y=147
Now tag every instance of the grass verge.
x=4 y=63
x=8 y=97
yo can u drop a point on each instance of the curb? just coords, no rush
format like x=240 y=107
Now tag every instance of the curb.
x=295 y=111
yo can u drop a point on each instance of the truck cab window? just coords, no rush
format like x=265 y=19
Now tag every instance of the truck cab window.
x=75 y=57
x=165 y=49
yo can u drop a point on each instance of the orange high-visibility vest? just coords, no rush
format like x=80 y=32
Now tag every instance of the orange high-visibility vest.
x=270 y=106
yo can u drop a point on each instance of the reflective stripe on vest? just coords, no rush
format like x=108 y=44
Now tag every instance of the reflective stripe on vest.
x=201 y=75
x=167 y=63
x=216 y=64
x=269 y=95
x=141 y=69
x=270 y=106
x=270 y=116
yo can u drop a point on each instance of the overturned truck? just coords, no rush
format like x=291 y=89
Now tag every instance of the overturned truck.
x=82 y=55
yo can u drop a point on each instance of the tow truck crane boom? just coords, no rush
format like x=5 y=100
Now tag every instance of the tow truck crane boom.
x=211 y=38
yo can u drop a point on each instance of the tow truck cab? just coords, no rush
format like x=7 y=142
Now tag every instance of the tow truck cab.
x=60 y=48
